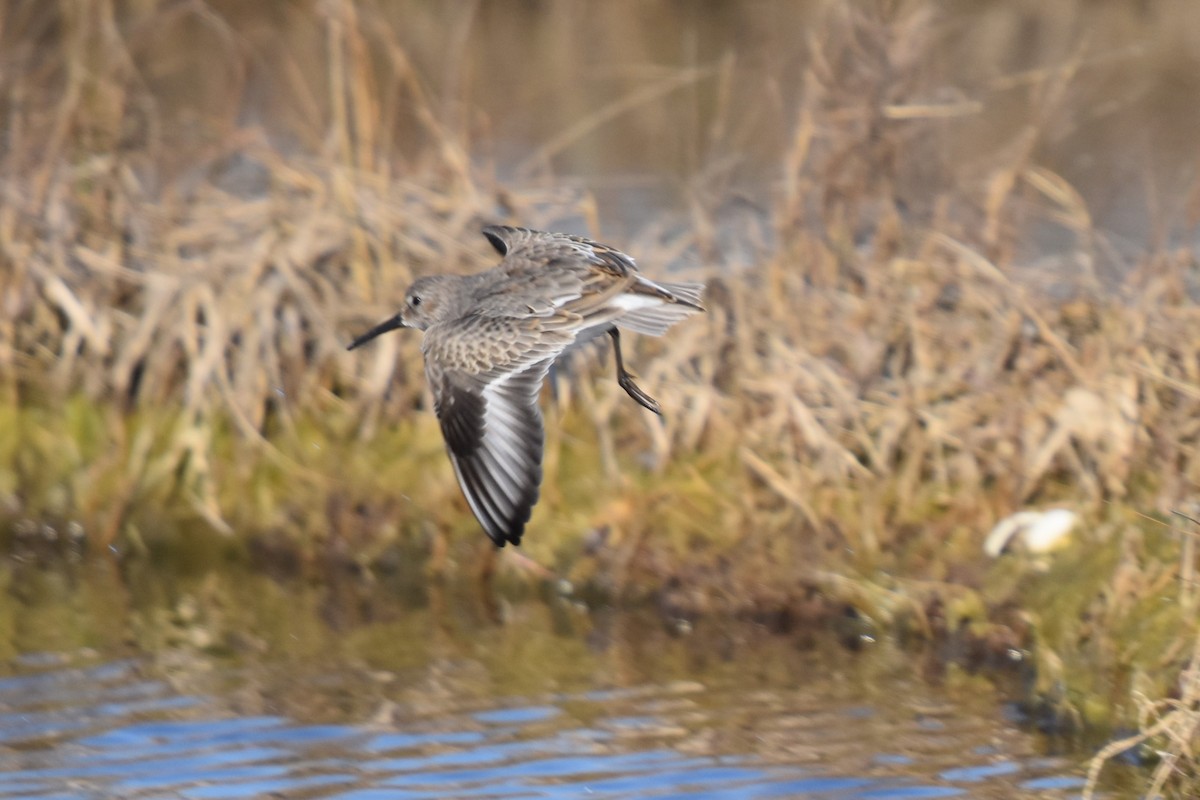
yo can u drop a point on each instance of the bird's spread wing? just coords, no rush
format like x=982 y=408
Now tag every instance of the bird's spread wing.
x=541 y=248
x=568 y=273
x=486 y=374
x=595 y=284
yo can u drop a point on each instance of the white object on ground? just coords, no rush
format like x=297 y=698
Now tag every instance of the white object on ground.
x=1037 y=531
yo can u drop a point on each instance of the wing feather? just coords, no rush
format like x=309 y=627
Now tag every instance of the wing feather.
x=500 y=467
x=560 y=275
x=486 y=374
x=542 y=248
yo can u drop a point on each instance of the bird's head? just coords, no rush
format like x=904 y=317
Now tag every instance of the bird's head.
x=425 y=303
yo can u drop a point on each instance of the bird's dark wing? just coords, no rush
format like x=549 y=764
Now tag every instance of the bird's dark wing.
x=486 y=374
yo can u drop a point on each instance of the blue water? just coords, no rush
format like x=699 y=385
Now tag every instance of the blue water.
x=254 y=689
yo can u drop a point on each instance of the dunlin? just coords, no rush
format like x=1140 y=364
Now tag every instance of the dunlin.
x=489 y=339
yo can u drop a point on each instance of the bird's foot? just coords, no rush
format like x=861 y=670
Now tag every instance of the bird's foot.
x=633 y=390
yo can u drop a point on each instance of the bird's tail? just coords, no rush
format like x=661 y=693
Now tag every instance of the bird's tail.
x=688 y=294
x=679 y=301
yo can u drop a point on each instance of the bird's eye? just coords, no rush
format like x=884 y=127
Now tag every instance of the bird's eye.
x=415 y=300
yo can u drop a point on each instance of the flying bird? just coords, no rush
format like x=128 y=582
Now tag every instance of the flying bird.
x=490 y=338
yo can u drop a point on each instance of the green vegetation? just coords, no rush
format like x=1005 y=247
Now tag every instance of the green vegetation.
x=184 y=253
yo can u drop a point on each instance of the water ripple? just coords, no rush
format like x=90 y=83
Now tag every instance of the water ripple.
x=106 y=731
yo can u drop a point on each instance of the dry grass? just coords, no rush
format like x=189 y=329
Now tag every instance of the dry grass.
x=1168 y=727
x=895 y=371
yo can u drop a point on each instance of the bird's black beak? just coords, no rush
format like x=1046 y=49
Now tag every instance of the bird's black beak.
x=383 y=327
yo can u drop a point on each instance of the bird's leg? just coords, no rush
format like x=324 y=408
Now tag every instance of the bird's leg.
x=626 y=380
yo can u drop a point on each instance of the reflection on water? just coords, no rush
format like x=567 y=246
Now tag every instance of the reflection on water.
x=237 y=686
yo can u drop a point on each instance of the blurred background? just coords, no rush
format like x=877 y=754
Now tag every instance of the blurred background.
x=950 y=252
x=650 y=109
